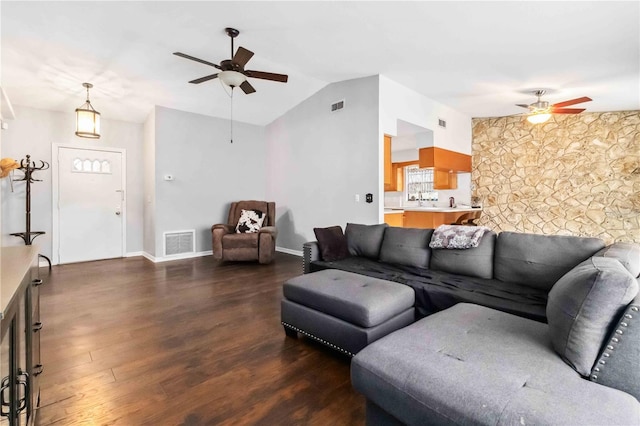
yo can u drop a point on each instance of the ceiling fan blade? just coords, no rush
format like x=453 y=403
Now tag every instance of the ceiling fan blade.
x=567 y=110
x=268 y=76
x=203 y=79
x=202 y=61
x=571 y=102
x=242 y=56
x=523 y=105
x=247 y=87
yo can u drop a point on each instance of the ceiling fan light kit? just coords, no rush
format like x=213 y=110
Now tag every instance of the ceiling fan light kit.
x=541 y=111
x=232 y=78
x=87 y=118
x=538 y=118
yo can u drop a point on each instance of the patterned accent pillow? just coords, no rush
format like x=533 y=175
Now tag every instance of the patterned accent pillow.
x=250 y=221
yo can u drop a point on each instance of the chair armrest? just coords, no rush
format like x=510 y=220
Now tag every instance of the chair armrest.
x=269 y=230
x=310 y=253
x=229 y=229
x=617 y=365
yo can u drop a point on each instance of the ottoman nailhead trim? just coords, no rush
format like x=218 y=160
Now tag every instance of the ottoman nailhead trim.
x=317 y=339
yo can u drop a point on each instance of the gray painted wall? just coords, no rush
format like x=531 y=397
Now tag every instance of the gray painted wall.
x=317 y=160
x=209 y=172
x=33 y=132
x=149 y=183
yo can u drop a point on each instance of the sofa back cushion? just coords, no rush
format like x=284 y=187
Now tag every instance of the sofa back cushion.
x=540 y=260
x=627 y=253
x=406 y=246
x=365 y=240
x=473 y=262
x=582 y=307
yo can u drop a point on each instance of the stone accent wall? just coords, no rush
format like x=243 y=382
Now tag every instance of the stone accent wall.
x=573 y=175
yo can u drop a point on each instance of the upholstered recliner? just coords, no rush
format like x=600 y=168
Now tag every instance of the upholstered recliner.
x=230 y=245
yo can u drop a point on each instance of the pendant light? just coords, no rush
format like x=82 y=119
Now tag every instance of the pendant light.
x=87 y=118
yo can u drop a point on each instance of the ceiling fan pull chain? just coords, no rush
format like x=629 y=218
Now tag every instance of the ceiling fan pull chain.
x=231 y=121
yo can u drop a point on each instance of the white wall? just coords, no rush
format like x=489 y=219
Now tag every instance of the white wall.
x=33 y=132
x=317 y=160
x=149 y=184
x=209 y=171
x=398 y=102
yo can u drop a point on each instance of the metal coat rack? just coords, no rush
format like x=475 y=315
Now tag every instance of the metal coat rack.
x=28 y=168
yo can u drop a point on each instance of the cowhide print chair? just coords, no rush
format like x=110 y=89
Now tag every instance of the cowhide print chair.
x=249 y=234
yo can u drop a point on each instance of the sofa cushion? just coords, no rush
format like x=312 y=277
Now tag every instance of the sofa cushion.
x=627 y=253
x=233 y=241
x=332 y=242
x=582 y=307
x=406 y=246
x=540 y=260
x=437 y=290
x=474 y=365
x=365 y=240
x=474 y=262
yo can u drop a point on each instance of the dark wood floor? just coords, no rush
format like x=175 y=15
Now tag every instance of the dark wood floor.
x=188 y=342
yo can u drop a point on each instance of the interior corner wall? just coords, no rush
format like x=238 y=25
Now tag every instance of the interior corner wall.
x=33 y=132
x=208 y=172
x=574 y=175
x=318 y=160
x=398 y=102
x=149 y=184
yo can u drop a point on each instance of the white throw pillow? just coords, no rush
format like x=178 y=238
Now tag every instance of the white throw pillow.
x=250 y=221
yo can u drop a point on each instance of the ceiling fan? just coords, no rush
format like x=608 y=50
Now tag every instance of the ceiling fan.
x=232 y=71
x=540 y=111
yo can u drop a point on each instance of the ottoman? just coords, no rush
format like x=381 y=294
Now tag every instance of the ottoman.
x=345 y=311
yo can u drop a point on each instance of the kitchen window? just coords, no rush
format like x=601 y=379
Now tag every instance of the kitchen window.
x=419 y=185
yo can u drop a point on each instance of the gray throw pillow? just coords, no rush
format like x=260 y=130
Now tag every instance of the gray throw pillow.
x=627 y=253
x=582 y=307
x=365 y=240
x=406 y=246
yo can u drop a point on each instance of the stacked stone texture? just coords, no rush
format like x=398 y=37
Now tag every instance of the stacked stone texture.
x=573 y=175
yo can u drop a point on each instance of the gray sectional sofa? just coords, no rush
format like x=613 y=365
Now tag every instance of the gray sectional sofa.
x=523 y=329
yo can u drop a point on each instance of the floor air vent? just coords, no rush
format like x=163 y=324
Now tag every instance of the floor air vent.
x=179 y=242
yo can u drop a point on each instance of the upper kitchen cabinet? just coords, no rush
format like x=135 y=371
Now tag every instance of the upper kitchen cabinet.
x=446 y=165
x=388 y=168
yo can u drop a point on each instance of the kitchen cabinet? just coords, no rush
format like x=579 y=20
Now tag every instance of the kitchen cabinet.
x=19 y=335
x=388 y=168
x=446 y=166
x=394 y=219
x=429 y=220
x=445 y=179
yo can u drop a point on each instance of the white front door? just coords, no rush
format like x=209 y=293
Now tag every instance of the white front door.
x=91 y=204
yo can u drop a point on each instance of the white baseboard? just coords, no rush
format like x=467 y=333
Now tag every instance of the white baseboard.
x=289 y=251
x=134 y=254
x=155 y=259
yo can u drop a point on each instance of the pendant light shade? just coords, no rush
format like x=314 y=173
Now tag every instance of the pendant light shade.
x=87 y=118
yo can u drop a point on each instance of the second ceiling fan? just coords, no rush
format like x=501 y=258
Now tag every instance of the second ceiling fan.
x=232 y=71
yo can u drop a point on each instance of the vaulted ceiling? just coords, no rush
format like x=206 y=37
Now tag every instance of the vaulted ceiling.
x=478 y=57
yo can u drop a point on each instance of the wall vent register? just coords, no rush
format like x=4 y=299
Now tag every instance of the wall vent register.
x=179 y=242
x=337 y=106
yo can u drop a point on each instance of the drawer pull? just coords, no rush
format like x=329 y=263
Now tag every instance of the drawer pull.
x=37 y=282
x=37 y=326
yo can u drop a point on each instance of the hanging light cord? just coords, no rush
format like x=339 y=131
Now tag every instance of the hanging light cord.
x=230 y=94
x=231 y=114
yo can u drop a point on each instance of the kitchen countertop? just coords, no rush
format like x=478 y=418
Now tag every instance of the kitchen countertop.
x=15 y=263
x=391 y=210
